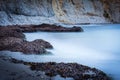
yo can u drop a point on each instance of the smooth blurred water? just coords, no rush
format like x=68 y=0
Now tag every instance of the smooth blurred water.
x=98 y=46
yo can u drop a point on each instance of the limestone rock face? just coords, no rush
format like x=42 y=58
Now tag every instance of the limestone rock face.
x=59 y=11
x=112 y=10
x=28 y=7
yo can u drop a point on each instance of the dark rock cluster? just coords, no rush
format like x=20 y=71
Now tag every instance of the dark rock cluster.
x=78 y=72
x=11 y=32
x=45 y=28
x=54 y=28
x=12 y=39
x=74 y=70
x=20 y=45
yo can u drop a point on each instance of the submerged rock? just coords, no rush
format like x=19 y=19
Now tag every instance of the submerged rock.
x=73 y=70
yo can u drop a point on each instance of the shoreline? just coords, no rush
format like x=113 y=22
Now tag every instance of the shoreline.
x=10 y=39
x=48 y=70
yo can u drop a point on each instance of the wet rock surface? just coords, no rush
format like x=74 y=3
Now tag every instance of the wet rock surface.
x=13 y=39
x=11 y=32
x=12 y=71
x=43 y=43
x=45 y=28
x=50 y=28
x=74 y=70
x=20 y=45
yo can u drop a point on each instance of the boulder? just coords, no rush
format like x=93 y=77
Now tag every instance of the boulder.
x=43 y=43
x=20 y=45
x=13 y=39
x=29 y=47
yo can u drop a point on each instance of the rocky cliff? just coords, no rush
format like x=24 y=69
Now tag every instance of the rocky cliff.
x=59 y=11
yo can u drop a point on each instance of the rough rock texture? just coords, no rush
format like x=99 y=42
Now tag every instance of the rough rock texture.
x=49 y=28
x=12 y=71
x=43 y=43
x=11 y=32
x=42 y=27
x=12 y=39
x=112 y=10
x=74 y=70
x=20 y=45
x=58 y=11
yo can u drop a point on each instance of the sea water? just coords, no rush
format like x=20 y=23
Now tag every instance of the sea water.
x=98 y=46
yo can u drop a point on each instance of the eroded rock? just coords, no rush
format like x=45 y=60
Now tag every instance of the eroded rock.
x=12 y=39
x=48 y=28
x=43 y=43
x=59 y=11
x=74 y=70
x=11 y=32
x=20 y=45
x=55 y=28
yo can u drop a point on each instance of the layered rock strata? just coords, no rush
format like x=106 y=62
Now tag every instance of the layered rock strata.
x=21 y=12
